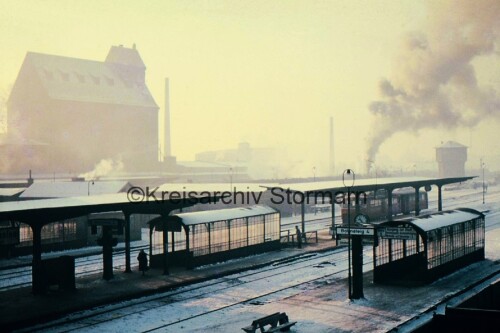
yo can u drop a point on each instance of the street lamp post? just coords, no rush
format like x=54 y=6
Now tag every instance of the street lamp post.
x=349 y=183
x=88 y=186
x=314 y=173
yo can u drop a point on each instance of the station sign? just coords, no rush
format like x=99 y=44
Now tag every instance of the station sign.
x=397 y=233
x=355 y=231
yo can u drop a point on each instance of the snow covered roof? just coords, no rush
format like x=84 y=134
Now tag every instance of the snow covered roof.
x=439 y=220
x=73 y=189
x=43 y=211
x=8 y=192
x=444 y=219
x=224 y=214
x=116 y=215
x=212 y=187
x=214 y=165
x=368 y=184
x=404 y=190
x=27 y=205
x=109 y=82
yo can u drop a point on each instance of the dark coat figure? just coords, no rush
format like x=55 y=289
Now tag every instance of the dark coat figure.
x=299 y=237
x=143 y=261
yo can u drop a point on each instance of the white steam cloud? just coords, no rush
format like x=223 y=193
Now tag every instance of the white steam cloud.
x=435 y=83
x=104 y=168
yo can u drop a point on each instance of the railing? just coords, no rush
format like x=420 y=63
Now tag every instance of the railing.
x=291 y=238
x=311 y=235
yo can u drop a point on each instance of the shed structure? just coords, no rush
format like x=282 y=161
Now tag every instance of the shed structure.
x=422 y=249
x=199 y=238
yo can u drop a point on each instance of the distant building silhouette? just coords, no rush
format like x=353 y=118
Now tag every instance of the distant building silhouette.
x=79 y=112
x=451 y=157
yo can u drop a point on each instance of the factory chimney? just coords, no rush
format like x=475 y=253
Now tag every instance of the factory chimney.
x=332 y=149
x=166 y=128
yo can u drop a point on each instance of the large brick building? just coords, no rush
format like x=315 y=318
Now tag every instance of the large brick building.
x=79 y=112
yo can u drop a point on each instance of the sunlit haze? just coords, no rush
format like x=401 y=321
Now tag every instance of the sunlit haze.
x=398 y=77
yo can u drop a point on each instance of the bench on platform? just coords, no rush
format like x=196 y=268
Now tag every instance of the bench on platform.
x=278 y=322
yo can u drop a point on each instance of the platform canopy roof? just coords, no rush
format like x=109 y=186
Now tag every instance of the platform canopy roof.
x=66 y=189
x=43 y=211
x=213 y=187
x=12 y=191
x=438 y=220
x=144 y=200
x=368 y=184
x=224 y=214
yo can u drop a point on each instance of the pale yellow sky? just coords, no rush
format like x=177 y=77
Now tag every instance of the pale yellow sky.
x=267 y=72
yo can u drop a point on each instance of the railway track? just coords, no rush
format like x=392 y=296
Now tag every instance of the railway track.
x=241 y=286
x=21 y=276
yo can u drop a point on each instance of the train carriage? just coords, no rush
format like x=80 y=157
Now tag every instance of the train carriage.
x=9 y=237
x=375 y=205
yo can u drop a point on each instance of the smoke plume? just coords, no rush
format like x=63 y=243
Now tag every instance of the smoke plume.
x=434 y=83
x=104 y=168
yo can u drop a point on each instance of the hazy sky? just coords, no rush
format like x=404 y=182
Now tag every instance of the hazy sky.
x=267 y=72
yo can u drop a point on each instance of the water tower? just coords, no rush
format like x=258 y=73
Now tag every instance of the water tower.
x=451 y=157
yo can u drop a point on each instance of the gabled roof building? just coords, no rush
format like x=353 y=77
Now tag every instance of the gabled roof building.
x=84 y=111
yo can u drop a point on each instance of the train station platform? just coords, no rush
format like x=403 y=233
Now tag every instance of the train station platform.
x=322 y=307
x=20 y=308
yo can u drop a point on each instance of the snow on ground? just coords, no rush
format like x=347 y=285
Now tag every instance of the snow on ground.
x=84 y=265
x=314 y=293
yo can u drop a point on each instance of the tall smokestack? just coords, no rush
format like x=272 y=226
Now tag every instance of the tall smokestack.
x=166 y=128
x=332 y=149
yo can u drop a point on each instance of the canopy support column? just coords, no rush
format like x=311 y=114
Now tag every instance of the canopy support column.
x=389 y=204
x=36 y=271
x=188 y=253
x=127 y=243
x=165 y=248
x=150 y=241
x=303 y=218
x=440 y=199
x=333 y=214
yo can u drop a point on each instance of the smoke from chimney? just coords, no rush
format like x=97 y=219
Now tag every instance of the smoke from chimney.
x=104 y=168
x=434 y=83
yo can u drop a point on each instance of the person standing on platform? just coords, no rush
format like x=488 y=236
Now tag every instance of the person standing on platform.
x=299 y=237
x=143 y=261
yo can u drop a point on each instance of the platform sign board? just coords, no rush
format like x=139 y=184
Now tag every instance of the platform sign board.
x=355 y=231
x=397 y=233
